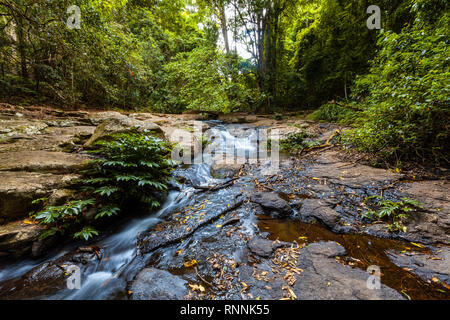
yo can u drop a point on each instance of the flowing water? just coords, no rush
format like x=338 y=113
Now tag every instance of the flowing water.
x=119 y=249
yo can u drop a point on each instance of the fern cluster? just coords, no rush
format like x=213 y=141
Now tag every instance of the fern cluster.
x=130 y=169
x=395 y=212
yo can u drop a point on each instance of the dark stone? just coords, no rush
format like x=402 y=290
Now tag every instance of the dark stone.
x=262 y=247
x=317 y=209
x=155 y=284
x=272 y=203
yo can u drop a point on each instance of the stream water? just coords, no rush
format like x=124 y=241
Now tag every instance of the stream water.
x=119 y=249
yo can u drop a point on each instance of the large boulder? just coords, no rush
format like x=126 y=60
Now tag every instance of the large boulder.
x=272 y=203
x=315 y=209
x=19 y=189
x=121 y=125
x=155 y=284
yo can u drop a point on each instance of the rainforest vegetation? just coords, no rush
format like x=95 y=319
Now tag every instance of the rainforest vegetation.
x=266 y=56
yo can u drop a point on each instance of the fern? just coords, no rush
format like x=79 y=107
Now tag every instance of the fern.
x=129 y=169
x=395 y=212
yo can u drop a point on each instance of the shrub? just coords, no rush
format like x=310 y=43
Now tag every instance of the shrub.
x=395 y=212
x=131 y=170
x=331 y=112
x=295 y=142
x=407 y=109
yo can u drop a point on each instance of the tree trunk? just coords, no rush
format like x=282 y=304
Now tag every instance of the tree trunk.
x=21 y=49
x=223 y=24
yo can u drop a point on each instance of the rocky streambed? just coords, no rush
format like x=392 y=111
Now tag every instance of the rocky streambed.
x=225 y=231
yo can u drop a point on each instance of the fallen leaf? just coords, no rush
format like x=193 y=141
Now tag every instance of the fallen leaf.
x=191 y=263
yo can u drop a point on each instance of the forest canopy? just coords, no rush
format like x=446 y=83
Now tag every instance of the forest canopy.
x=263 y=56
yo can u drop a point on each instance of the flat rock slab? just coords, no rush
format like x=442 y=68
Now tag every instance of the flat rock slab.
x=42 y=161
x=426 y=266
x=434 y=224
x=325 y=279
x=14 y=127
x=155 y=284
x=19 y=189
x=328 y=166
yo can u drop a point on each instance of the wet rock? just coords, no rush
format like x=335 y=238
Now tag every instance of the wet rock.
x=325 y=279
x=155 y=284
x=263 y=247
x=272 y=203
x=43 y=161
x=43 y=279
x=121 y=124
x=426 y=266
x=173 y=232
x=48 y=277
x=312 y=209
x=17 y=238
x=19 y=189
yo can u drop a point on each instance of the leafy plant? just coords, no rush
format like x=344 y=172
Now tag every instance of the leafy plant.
x=295 y=142
x=407 y=105
x=59 y=218
x=131 y=167
x=395 y=212
x=332 y=112
x=131 y=170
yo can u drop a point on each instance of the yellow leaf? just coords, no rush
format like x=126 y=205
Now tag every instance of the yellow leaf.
x=417 y=245
x=191 y=263
x=219 y=226
x=197 y=287
x=28 y=221
x=179 y=251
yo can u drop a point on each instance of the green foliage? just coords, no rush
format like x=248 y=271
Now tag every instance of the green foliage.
x=86 y=233
x=59 y=218
x=394 y=212
x=407 y=104
x=131 y=167
x=295 y=142
x=332 y=112
x=131 y=170
x=331 y=44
